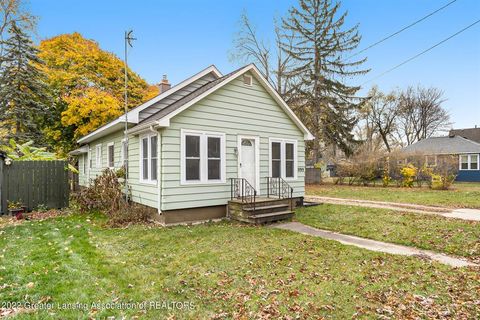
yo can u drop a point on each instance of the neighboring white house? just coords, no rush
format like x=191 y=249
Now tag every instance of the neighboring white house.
x=186 y=144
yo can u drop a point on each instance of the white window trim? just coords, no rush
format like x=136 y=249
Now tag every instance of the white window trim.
x=108 y=155
x=98 y=156
x=149 y=157
x=257 y=158
x=283 y=158
x=203 y=157
x=469 y=162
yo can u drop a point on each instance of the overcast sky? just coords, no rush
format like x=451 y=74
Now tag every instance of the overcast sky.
x=178 y=38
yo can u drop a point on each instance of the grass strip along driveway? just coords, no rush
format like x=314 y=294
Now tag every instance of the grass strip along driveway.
x=221 y=271
x=462 y=195
x=450 y=236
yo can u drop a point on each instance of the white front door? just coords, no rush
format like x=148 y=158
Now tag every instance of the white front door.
x=247 y=161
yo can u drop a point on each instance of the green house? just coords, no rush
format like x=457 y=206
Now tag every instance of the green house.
x=199 y=145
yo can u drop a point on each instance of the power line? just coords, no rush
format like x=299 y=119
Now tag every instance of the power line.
x=401 y=30
x=421 y=53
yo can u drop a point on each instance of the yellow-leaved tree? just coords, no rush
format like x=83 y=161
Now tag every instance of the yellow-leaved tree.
x=88 y=85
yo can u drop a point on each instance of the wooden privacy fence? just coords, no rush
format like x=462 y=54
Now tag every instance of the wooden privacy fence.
x=34 y=183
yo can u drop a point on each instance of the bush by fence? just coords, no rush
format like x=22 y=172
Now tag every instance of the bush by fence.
x=398 y=169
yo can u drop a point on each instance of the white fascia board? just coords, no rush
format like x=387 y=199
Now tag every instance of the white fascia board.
x=133 y=115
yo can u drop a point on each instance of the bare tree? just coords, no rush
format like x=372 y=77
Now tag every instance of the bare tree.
x=421 y=114
x=272 y=61
x=249 y=48
x=381 y=115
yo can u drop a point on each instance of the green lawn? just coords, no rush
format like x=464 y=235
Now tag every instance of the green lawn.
x=453 y=236
x=225 y=270
x=462 y=195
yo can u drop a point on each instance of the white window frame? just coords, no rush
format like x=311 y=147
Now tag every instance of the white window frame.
x=108 y=155
x=98 y=156
x=469 y=161
x=204 y=135
x=149 y=158
x=283 y=156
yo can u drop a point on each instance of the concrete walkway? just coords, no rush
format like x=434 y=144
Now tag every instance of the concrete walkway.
x=465 y=214
x=373 y=244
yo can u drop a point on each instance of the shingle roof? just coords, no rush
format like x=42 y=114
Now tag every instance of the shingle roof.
x=470 y=134
x=178 y=104
x=443 y=145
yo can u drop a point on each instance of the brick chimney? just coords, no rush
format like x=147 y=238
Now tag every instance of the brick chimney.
x=164 y=85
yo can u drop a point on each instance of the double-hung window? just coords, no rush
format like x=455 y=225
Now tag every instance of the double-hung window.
x=469 y=162
x=98 y=156
x=149 y=158
x=111 y=155
x=203 y=157
x=283 y=158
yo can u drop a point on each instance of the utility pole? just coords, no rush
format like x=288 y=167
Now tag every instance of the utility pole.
x=128 y=42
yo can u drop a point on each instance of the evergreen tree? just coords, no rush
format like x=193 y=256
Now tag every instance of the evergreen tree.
x=324 y=100
x=23 y=92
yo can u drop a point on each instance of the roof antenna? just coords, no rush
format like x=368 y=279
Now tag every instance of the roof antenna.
x=128 y=43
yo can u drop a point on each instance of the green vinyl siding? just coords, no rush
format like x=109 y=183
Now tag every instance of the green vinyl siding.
x=141 y=193
x=82 y=174
x=235 y=110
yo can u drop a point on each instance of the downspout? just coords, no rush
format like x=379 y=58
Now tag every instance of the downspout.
x=159 y=184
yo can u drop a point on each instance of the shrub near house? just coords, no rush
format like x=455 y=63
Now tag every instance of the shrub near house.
x=396 y=168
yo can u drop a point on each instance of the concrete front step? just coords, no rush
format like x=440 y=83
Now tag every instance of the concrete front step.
x=270 y=217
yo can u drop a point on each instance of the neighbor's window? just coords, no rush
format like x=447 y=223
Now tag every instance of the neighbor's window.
x=474 y=162
x=283 y=158
x=149 y=158
x=85 y=160
x=203 y=157
x=430 y=161
x=98 y=156
x=111 y=155
x=464 y=162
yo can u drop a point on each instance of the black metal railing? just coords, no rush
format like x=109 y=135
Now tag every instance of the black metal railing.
x=241 y=189
x=278 y=187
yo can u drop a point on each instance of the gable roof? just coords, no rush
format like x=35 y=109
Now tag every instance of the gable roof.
x=132 y=116
x=470 y=133
x=443 y=145
x=162 y=117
